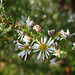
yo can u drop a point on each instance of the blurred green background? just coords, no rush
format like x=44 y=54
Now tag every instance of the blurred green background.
x=49 y=14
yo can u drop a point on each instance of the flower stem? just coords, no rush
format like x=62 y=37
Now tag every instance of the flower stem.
x=16 y=28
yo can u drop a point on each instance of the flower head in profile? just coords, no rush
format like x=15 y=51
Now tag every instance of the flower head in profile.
x=51 y=32
x=20 y=35
x=44 y=48
x=67 y=33
x=37 y=28
x=26 y=51
x=29 y=23
x=55 y=44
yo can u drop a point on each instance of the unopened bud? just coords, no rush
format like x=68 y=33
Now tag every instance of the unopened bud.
x=51 y=32
x=55 y=45
x=37 y=28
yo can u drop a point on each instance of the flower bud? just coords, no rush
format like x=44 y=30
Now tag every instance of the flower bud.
x=55 y=45
x=57 y=53
x=51 y=32
x=37 y=28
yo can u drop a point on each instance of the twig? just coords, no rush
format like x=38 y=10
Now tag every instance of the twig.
x=16 y=28
x=7 y=38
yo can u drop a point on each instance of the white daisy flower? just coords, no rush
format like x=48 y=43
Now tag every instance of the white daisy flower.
x=29 y=23
x=44 y=47
x=57 y=53
x=61 y=35
x=26 y=51
x=74 y=45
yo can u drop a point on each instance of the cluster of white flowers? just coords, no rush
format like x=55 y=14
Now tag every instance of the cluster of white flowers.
x=44 y=47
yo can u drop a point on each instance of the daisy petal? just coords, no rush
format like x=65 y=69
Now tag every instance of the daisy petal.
x=39 y=55
x=25 y=57
x=36 y=46
x=22 y=53
x=52 y=48
x=35 y=50
x=46 y=56
x=38 y=41
x=28 y=20
x=41 y=40
x=49 y=41
x=45 y=39
x=31 y=43
x=47 y=52
x=29 y=52
x=43 y=55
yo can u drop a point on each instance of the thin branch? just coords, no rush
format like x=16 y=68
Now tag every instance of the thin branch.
x=16 y=28
x=7 y=38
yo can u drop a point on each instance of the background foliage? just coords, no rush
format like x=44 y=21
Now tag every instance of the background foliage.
x=57 y=12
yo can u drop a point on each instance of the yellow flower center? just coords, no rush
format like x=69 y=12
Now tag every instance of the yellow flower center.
x=26 y=48
x=43 y=47
x=59 y=34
